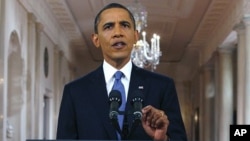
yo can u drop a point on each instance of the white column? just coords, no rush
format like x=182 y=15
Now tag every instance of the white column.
x=226 y=93
x=217 y=98
x=241 y=71
x=201 y=116
x=209 y=91
x=2 y=97
x=246 y=21
x=31 y=58
x=38 y=97
x=57 y=92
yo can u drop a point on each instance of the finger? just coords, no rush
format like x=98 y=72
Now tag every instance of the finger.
x=162 y=113
x=148 y=112
x=162 y=122
x=157 y=118
x=147 y=109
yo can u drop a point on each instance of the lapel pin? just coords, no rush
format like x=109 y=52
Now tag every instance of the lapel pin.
x=140 y=87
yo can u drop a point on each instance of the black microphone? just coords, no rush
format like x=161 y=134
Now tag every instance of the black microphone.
x=137 y=103
x=115 y=101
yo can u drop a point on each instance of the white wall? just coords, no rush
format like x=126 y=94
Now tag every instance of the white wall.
x=34 y=28
x=1 y=69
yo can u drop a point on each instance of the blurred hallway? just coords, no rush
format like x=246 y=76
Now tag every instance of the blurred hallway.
x=44 y=44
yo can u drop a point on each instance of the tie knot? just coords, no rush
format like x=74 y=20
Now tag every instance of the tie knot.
x=118 y=75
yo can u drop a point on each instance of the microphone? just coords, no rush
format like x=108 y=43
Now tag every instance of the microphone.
x=137 y=103
x=115 y=101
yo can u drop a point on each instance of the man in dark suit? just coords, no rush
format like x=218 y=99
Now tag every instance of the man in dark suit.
x=84 y=111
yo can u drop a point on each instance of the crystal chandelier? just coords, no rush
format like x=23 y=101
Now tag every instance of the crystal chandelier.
x=144 y=55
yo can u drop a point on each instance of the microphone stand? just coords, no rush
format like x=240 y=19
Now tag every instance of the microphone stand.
x=116 y=125
x=135 y=124
x=126 y=133
x=125 y=129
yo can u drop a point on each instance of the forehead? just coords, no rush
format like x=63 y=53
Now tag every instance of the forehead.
x=114 y=14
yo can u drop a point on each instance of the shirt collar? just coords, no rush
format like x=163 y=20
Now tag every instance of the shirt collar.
x=109 y=70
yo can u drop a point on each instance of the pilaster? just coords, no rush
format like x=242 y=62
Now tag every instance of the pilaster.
x=241 y=71
x=225 y=92
x=246 y=21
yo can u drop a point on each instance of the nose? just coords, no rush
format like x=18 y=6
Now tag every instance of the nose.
x=118 y=31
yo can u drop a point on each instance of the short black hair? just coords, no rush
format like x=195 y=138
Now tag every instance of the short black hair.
x=109 y=6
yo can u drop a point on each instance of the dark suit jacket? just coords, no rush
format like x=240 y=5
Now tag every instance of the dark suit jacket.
x=84 y=111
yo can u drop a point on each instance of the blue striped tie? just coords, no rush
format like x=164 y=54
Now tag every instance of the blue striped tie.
x=120 y=87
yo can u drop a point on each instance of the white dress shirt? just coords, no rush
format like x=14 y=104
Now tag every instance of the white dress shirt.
x=109 y=72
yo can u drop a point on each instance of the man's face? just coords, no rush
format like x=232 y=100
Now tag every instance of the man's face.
x=116 y=35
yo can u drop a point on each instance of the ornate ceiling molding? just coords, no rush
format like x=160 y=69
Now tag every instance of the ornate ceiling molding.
x=66 y=20
x=218 y=23
x=246 y=8
x=208 y=25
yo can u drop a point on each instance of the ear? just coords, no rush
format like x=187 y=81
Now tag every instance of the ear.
x=136 y=36
x=95 y=40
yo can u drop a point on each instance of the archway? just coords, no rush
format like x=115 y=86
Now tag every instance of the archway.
x=15 y=94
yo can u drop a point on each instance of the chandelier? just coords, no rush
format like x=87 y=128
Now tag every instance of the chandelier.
x=144 y=55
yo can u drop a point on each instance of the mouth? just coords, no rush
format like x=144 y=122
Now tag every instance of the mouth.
x=119 y=45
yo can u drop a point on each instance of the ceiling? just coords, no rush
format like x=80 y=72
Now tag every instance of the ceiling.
x=176 y=21
x=185 y=27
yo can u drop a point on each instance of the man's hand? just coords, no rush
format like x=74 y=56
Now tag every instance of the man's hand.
x=155 y=123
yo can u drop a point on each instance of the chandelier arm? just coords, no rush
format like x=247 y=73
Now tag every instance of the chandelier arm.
x=149 y=58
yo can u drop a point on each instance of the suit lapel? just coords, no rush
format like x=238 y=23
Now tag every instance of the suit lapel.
x=100 y=96
x=138 y=81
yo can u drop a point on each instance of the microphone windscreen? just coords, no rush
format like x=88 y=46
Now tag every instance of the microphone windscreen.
x=115 y=95
x=137 y=97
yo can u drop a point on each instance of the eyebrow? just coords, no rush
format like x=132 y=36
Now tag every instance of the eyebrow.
x=121 y=23
x=125 y=22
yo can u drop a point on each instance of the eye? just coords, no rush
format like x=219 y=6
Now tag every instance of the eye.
x=125 y=24
x=107 y=26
